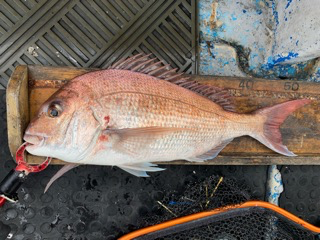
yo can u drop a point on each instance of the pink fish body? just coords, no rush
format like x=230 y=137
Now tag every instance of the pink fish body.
x=129 y=119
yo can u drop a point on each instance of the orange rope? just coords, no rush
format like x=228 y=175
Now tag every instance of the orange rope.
x=195 y=216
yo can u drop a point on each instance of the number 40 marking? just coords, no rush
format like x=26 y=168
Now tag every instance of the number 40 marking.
x=246 y=84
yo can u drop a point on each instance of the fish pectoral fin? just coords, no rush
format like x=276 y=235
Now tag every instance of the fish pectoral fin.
x=140 y=169
x=210 y=154
x=134 y=140
x=62 y=171
x=145 y=132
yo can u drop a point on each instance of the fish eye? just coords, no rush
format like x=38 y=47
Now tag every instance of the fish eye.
x=54 y=110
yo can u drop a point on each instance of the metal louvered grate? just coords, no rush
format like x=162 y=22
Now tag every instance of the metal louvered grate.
x=94 y=33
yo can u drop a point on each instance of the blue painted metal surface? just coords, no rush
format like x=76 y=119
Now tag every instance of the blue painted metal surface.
x=261 y=38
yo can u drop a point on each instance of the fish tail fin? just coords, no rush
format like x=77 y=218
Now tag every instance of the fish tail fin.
x=274 y=116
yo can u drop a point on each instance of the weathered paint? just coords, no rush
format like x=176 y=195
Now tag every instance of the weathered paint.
x=274 y=185
x=280 y=59
x=288 y=3
x=262 y=38
x=298 y=30
x=211 y=59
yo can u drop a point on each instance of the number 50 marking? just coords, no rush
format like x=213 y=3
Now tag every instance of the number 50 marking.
x=291 y=86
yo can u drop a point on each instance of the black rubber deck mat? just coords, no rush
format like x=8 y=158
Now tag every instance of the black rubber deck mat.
x=302 y=192
x=87 y=33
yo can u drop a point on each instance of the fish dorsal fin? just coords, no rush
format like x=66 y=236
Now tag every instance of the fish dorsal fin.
x=151 y=66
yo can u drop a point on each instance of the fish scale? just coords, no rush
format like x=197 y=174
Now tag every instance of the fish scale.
x=177 y=114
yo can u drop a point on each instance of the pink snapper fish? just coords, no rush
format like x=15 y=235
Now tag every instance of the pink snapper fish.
x=138 y=112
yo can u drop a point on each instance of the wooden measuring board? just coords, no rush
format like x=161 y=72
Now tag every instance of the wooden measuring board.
x=30 y=86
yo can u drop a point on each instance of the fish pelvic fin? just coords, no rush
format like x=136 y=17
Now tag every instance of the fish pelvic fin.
x=274 y=116
x=140 y=169
x=62 y=171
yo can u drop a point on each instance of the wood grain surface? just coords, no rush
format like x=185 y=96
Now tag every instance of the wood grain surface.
x=301 y=131
x=18 y=107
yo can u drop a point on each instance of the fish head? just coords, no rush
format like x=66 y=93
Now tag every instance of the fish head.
x=62 y=128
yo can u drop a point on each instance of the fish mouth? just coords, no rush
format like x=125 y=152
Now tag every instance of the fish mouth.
x=34 y=140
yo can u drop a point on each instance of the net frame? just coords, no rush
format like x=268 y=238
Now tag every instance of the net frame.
x=195 y=220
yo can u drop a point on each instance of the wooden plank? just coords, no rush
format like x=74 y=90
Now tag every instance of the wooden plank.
x=51 y=75
x=44 y=81
x=17 y=107
x=301 y=131
x=257 y=160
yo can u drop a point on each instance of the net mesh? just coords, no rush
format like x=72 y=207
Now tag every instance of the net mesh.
x=213 y=192
x=216 y=192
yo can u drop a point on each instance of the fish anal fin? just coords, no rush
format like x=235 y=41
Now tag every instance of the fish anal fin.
x=136 y=173
x=58 y=174
x=210 y=154
x=140 y=169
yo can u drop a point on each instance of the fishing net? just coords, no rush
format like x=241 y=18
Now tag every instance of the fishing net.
x=235 y=223
x=251 y=223
x=213 y=192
